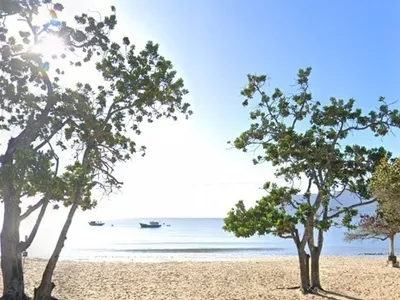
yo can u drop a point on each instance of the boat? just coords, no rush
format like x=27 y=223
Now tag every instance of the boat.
x=96 y=223
x=151 y=224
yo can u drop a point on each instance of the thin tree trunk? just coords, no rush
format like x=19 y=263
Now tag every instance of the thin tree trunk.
x=316 y=247
x=304 y=262
x=392 y=256
x=26 y=244
x=315 y=278
x=315 y=252
x=391 y=242
x=43 y=292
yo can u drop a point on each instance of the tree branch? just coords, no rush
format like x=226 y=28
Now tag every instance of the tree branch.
x=335 y=197
x=285 y=236
x=337 y=214
x=372 y=124
x=338 y=134
x=45 y=201
x=273 y=116
x=58 y=128
x=31 y=209
x=30 y=133
x=349 y=237
x=307 y=193
x=108 y=175
x=23 y=194
x=314 y=174
x=26 y=244
x=320 y=231
x=34 y=33
x=298 y=114
x=304 y=239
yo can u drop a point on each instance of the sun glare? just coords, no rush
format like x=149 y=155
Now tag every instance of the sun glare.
x=48 y=46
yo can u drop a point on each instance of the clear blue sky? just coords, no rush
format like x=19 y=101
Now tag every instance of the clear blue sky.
x=353 y=47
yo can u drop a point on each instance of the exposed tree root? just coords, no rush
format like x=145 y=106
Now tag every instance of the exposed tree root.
x=316 y=289
x=289 y=288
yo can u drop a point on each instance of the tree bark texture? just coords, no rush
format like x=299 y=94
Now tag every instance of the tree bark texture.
x=304 y=262
x=11 y=252
x=315 y=278
x=392 y=259
x=315 y=252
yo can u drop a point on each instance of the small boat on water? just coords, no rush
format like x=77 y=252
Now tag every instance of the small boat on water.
x=151 y=224
x=96 y=223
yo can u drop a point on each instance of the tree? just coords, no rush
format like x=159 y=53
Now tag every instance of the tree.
x=303 y=138
x=98 y=121
x=270 y=216
x=31 y=103
x=376 y=227
x=385 y=186
x=103 y=133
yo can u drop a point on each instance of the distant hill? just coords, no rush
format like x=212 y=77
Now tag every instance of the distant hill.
x=347 y=199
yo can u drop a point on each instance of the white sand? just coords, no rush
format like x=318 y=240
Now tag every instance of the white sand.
x=353 y=278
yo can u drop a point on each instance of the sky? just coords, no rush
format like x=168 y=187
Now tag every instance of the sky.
x=352 y=46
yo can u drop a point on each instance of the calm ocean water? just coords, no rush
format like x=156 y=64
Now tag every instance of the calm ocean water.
x=190 y=239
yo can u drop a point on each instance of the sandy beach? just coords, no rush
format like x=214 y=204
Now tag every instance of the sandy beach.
x=343 y=277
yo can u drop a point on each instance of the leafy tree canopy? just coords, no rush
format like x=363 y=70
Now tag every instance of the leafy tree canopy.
x=372 y=227
x=138 y=86
x=385 y=186
x=302 y=137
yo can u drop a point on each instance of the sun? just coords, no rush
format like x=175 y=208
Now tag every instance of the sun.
x=48 y=46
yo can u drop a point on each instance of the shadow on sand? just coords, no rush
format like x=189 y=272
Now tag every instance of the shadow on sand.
x=324 y=294
x=334 y=296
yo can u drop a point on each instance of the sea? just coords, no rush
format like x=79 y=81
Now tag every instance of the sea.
x=192 y=239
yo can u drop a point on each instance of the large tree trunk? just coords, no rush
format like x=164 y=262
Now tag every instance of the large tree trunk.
x=43 y=292
x=304 y=261
x=11 y=254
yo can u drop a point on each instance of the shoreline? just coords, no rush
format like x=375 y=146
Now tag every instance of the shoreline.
x=190 y=261
x=268 y=278
x=127 y=259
